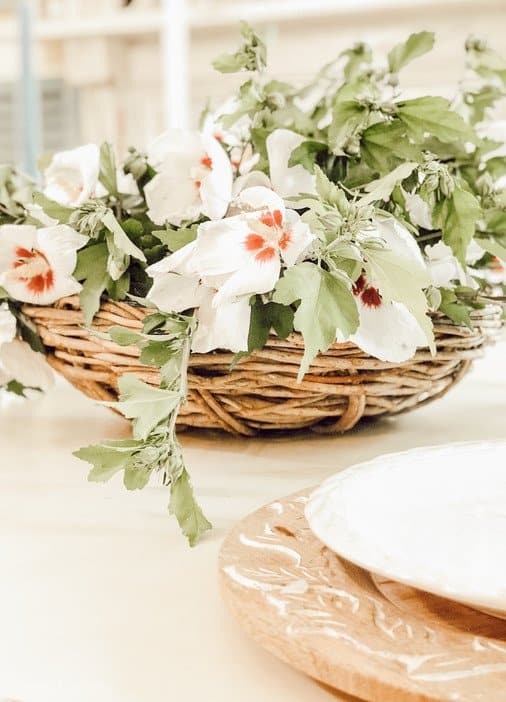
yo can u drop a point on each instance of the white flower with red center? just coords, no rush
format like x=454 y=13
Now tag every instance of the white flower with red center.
x=250 y=248
x=177 y=288
x=287 y=181
x=72 y=176
x=36 y=265
x=17 y=360
x=387 y=329
x=194 y=178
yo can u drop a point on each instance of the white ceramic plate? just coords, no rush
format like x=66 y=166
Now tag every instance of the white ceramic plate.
x=433 y=518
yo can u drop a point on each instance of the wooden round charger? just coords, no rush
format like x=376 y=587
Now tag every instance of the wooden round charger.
x=368 y=637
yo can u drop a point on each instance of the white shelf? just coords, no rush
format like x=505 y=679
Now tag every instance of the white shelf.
x=129 y=22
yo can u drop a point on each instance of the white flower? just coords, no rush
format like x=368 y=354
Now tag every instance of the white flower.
x=287 y=181
x=250 y=180
x=17 y=360
x=177 y=288
x=38 y=213
x=249 y=248
x=474 y=252
x=7 y=325
x=72 y=176
x=443 y=266
x=36 y=265
x=419 y=211
x=126 y=183
x=235 y=135
x=388 y=330
x=194 y=177
x=398 y=239
x=243 y=159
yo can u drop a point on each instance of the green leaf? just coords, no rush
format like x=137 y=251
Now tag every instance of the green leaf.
x=118 y=289
x=459 y=214
x=357 y=56
x=52 y=209
x=495 y=247
x=27 y=329
x=348 y=119
x=403 y=280
x=107 y=458
x=453 y=309
x=326 y=305
x=385 y=145
x=146 y=405
x=186 y=510
x=250 y=57
x=382 y=188
x=136 y=478
x=482 y=100
x=107 y=175
x=121 y=240
x=416 y=45
x=306 y=154
x=133 y=229
x=123 y=336
x=264 y=317
x=330 y=192
x=175 y=239
x=16 y=388
x=485 y=61
x=434 y=116
x=92 y=269
x=496 y=166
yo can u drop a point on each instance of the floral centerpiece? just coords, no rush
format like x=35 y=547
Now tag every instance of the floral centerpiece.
x=338 y=210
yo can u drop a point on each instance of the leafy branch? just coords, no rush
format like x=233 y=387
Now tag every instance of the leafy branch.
x=164 y=343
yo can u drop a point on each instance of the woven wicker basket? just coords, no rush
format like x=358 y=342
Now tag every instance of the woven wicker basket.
x=261 y=393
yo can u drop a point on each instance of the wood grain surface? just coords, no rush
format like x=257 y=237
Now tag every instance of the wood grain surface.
x=365 y=636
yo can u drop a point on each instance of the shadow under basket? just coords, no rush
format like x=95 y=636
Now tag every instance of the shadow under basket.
x=261 y=393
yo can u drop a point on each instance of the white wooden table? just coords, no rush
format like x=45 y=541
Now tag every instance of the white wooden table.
x=100 y=598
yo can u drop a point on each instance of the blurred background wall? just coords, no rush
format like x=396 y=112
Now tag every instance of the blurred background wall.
x=123 y=70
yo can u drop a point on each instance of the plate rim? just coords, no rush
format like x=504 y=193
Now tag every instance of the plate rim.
x=471 y=598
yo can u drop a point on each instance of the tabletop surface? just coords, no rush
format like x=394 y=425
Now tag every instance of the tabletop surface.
x=101 y=599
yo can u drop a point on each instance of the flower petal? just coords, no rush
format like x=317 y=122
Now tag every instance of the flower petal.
x=12 y=237
x=288 y=182
x=216 y=187
x=19 y=362
x=172 y=197
x=388 y=332
x=260 y=198
x=398 y=238
x=443 y=266
x=60 y=244
x=181 y=261
x=419 y=211
x=298 y=239
x=223 y=326
x=220 y=246
x=175 y=293
x=173 y=143
x=250 y=180
x=255 y=277
x=7 y=324
x=72 y=176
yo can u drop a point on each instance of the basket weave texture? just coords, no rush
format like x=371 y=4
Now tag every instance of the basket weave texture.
x=261 y=393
